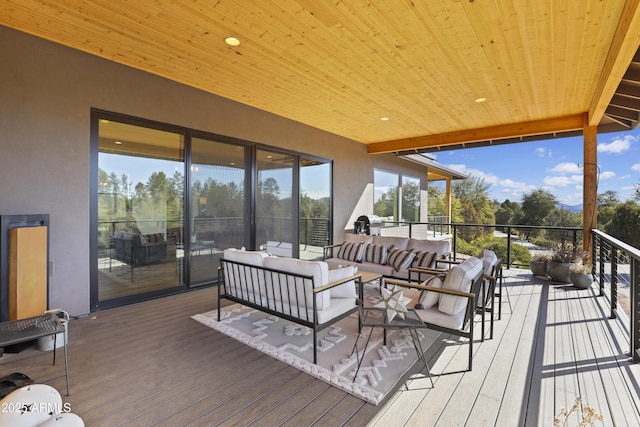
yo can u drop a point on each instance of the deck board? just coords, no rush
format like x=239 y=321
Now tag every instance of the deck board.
x=151 y=364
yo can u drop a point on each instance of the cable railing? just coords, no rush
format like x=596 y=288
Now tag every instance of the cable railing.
x=615 y=265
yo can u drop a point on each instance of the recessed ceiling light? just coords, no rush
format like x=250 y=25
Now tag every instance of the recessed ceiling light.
x=118 y=142
x=232 y=41
x=384 y=119
x=479 y=100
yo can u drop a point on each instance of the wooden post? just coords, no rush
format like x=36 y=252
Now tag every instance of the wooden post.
x=590 y=186
x=447 y=201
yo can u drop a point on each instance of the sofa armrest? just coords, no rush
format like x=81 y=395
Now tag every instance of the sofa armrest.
x=356 y=277
x=429 y=288
x=326 y=249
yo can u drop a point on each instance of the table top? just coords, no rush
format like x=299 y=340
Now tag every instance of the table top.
x=17 y=331
x=377 y=317
x=368 y=276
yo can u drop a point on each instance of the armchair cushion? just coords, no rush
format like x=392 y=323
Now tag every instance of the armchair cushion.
x=459 y=278
x=489 y=261
x=345 y=290
x=290 y=291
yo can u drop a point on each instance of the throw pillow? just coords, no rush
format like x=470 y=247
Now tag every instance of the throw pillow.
x=428 y=299
x=345 y=290
x=399 y=259
x=423 y=259
x=376 y=254
x=351 y=251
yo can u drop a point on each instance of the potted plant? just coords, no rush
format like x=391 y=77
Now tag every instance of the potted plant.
x=580 y=275
x=538 y=264
x=559 y=266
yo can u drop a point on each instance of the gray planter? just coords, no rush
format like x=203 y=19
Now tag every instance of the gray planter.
x=538 y=268
x=559 y=271
x=581 y=280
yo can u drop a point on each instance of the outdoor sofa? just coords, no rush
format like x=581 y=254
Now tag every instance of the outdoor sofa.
x=304 y=292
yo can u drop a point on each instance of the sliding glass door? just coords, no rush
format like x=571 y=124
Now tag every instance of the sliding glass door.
x=217 y=205
x=275 y=203
x=167 y=201
x=140 y=210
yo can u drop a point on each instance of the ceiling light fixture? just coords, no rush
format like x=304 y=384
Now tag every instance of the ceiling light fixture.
x=232 y=41
x=479 y=100
x=384 y=119
x=117 y=142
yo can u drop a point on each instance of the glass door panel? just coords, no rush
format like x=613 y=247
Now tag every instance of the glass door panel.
x=217 y=205
x=315 y=208
x=274 y=203
x=140 y=210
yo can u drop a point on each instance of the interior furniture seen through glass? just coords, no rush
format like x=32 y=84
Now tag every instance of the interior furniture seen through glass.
x=140 y=209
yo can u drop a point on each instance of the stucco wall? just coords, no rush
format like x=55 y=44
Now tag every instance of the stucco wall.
x=46 y=95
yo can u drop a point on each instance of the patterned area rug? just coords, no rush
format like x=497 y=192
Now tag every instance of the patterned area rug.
x=382 y=366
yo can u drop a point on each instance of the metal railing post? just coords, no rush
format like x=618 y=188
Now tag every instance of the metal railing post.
x=614 y=281
x=635 y=312
x=508 y=247
x=602 y=259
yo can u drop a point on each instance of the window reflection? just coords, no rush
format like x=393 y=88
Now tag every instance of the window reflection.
x=140 y=209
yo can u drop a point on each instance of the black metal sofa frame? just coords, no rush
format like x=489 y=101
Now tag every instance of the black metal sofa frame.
x=241 y=283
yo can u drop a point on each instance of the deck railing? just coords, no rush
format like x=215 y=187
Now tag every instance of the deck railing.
x=616 y=268
x=615 y=264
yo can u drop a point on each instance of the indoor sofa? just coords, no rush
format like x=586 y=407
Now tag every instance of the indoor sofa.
x=137 y=249
x=389 y=256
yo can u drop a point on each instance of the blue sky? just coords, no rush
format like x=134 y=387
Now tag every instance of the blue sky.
x=555 y=165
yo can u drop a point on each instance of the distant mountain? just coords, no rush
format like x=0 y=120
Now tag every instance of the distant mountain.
x=572 y=208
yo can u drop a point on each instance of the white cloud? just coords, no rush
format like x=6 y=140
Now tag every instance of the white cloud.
x=636 y=167
x=567 y=167
x=618 y=145
x=541 y=152
x=562 y=180
x=607 y=175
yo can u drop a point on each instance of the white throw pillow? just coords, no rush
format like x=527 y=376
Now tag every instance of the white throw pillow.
x=459 y=279
x=345 y=290
x=429 y=298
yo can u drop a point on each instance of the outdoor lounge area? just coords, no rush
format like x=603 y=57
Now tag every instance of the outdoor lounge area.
x=151 y=364
x=156 y=135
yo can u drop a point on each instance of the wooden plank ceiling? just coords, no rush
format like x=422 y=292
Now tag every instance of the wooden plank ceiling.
x=544 y=66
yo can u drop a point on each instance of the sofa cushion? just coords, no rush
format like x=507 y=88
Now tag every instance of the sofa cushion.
x=459 y=279
x=281 y=287
x=351 y=251
x=400 y=259
x=398 y=242
x=358 y=238
x=441 y=247
x=245 y=257
x=345 y=290
x=428 y=299
x=376 y=254
x=235 y=280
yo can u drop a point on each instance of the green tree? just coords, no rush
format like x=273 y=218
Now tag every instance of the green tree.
x=624 y=223
x=436 y=201
x=508 y=212
x=475 y=205
x=410 y=201
x=607 y=203
x=537 y=206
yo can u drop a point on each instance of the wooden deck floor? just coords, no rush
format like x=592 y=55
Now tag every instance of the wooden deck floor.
x=150 y=364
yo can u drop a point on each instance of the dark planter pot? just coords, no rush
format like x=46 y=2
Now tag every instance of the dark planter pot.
x=581 y=280
x=538 y=268
x=559 y=271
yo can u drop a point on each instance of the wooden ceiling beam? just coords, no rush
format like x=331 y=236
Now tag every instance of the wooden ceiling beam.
x=513 y=130
x=623 y=49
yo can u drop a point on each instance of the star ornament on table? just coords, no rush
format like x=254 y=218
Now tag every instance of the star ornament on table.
x=394 y=303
